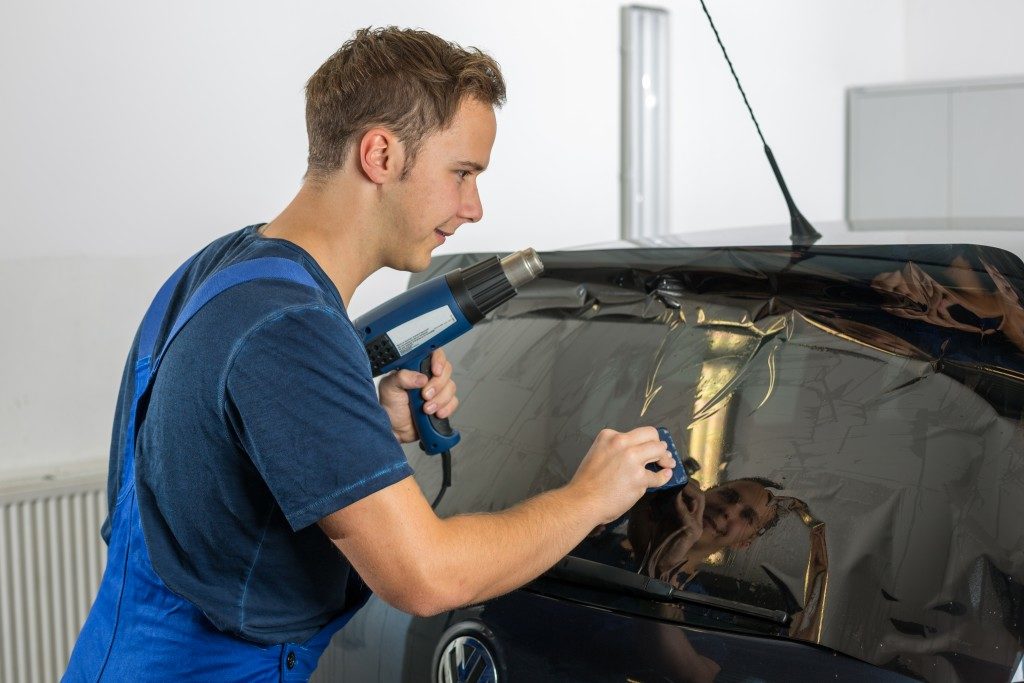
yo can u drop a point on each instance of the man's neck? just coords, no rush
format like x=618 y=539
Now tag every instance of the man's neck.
x=335 y=226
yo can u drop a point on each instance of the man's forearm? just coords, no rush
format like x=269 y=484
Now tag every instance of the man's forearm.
x=425 y=565
x=486 y=555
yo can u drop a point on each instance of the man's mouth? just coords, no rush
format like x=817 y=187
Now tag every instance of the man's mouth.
x=441 y=235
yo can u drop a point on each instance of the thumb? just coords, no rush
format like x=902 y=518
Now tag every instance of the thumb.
x=403 y=380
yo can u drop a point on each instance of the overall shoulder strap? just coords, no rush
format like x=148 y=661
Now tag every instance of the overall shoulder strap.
x=275 y=268
x=267 y=268
x=156 y=312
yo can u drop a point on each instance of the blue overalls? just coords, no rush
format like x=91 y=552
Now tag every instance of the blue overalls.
x=138 y=630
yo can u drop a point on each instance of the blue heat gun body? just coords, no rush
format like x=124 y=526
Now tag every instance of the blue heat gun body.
x=403 y=332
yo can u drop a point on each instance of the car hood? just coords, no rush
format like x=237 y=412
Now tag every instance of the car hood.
x=875 y=391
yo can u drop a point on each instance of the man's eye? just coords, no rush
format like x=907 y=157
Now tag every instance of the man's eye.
x=462 y=174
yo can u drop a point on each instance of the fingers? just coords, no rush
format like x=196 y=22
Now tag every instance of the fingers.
x=614 y=473
x=438 y=383
x=440 y=370
x=667 y=464
x=439 y=392
x=407 y=379
x=667 y=461
x=656 y=479
x=410 y=379
x=692 y=497
x=698 y=504
x=394 y=387
x=648 y=452
x=438 y=360
x=446 y=411
x=641 y=446
x=634 y=437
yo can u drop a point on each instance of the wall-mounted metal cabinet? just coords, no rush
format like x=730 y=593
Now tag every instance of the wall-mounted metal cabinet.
x=944 y=155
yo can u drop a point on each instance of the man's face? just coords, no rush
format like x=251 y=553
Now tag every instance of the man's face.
x=440 y=192
x=733 y=514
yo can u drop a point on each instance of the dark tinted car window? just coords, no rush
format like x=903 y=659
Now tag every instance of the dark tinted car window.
x=853 y=416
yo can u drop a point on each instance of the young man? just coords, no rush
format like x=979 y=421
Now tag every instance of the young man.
x=262 y=447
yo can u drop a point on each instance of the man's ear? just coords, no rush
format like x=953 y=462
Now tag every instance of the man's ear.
x=380 y=155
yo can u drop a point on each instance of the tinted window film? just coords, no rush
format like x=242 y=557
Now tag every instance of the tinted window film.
x=852 y=416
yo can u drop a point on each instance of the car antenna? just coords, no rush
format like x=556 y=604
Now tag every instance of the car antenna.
x=802 y=233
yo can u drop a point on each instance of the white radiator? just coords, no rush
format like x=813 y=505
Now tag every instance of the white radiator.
x=51 y=561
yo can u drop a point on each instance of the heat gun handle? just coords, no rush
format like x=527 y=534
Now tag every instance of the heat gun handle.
x=436 y=434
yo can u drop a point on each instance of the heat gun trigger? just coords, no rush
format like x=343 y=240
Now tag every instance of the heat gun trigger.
x=436 y=433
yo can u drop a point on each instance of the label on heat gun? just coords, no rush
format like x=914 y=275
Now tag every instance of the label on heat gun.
x=409 y=335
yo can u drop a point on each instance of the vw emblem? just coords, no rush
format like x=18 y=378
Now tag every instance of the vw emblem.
x=466 y=660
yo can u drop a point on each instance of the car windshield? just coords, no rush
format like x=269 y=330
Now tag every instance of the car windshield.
x=852 y=416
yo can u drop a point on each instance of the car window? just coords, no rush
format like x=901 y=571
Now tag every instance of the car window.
x=852 y=416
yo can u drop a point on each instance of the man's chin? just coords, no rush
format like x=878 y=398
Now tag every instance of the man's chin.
x=412 y=263
x=421 y=264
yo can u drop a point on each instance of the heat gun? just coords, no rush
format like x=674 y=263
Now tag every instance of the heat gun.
x=403 y=332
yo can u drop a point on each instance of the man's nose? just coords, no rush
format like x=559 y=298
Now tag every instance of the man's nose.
x=472 y=208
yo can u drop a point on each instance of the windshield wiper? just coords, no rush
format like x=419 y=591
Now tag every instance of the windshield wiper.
x=577 y=570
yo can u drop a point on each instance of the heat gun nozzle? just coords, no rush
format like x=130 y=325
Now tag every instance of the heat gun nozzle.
x=484 y=286
x=521 y=267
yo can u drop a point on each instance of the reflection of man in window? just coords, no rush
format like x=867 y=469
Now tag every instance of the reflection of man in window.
x=673 y=532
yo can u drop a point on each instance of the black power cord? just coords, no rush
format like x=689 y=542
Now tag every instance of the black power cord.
x=446 y=474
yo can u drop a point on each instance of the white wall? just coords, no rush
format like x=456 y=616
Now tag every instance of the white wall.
x=953 y=39
x=130 y=129
x=133 y=133
x=795 y=59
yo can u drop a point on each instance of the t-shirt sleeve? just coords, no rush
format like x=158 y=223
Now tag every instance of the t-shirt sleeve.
x=301 y=400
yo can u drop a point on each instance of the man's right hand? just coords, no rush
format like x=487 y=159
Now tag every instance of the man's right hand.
x=614 y=474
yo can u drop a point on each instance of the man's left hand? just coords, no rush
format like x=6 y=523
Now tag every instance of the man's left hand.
x=438 y=394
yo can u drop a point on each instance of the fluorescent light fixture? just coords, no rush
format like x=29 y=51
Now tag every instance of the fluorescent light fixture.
x=645 y=112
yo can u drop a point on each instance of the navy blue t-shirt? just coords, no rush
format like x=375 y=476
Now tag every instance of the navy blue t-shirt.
x=263 y=419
